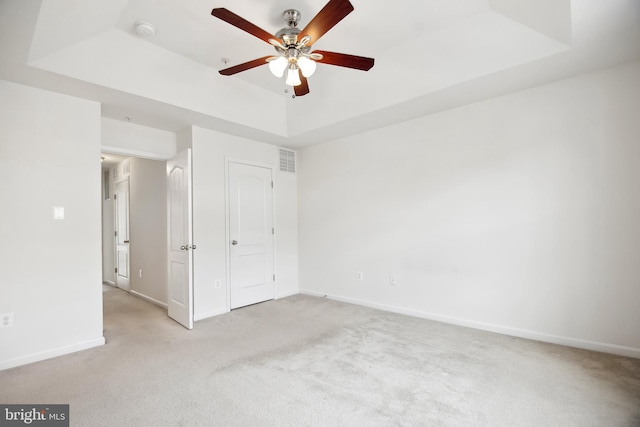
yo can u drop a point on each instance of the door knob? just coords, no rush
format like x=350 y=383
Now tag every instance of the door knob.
x=183 y=248
x=125 y=241
x=234 y=242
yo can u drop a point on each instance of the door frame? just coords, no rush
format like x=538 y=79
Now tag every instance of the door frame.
x=227 y=161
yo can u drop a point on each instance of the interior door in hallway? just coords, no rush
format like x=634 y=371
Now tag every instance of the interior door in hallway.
x=121 y=199
x=251 y=250
x=180 y=241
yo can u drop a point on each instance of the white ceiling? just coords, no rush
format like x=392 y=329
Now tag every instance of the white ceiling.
x=430 y=55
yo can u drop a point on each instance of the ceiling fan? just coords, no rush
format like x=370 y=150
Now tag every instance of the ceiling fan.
x=294 y=45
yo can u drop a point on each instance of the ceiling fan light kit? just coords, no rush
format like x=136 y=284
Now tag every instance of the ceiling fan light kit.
x=294 y=52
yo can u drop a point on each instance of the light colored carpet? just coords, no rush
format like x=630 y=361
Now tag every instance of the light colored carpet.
x=305 y=361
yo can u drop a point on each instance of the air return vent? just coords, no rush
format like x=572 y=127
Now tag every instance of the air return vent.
x=287 y=161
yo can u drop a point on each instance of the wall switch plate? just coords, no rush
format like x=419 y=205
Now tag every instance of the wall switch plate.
x=392 y=280
x=6 y=320
x=360 y=275
x=140 y=273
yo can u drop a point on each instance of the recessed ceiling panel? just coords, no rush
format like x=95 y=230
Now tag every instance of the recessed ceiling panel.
x=125 y=63
x=550 y=17
x=62 y=23
x=474 y=47
x=431 y=52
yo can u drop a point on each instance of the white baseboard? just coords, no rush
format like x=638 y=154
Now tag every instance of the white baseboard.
x=36 y=357
x=149 y=299
x=500 y=329
x=208 y=314
x=109 y=282
x=286 y=294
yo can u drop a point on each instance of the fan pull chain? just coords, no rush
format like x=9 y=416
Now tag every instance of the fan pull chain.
x=286 y=90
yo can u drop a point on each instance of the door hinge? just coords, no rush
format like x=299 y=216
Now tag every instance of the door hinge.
x=271 y=184
x=115 y=233
x=116 y=269
x=274 y=277
x=115 y=196
x=273 y=230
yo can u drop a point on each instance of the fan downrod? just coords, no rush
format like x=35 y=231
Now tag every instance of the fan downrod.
x=291 y=17
x=289 y=35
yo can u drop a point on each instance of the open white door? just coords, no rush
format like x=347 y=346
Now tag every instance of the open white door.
x=121 y=198
x=251 y=235
x=180 y=240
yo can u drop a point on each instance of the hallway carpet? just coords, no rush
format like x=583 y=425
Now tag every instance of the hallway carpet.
x=306 y=361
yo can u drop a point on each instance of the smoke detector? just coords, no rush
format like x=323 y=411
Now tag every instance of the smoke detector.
x=145 y=29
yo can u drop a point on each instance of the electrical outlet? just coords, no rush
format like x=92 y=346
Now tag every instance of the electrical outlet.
x=6 y=320
x=218 y=284
x=360 y=275
x=392 y=280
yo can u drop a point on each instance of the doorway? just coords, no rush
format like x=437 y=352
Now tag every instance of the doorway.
x=121 y=201
x=110 y=174
x=135 y=226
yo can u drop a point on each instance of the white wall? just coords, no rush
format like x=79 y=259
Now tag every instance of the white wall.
x=134 y=140
x=51 y=269
x=517 y=214
x=148 y=229
x=210 y=149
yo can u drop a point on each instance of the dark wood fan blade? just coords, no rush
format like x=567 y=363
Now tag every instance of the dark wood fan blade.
x=244 y=67
x=332 y=13
x=237 y=21
x=301 y=89
x=344 y=60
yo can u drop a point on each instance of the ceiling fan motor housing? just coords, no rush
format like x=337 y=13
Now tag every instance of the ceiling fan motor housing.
x=289 y=36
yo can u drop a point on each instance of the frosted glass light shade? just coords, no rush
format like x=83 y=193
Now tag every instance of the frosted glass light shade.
x=307 y=66
x=293 y=77
x=277 y=66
